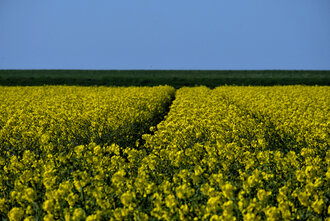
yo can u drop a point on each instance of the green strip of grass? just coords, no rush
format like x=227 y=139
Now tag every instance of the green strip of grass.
x=176 y=78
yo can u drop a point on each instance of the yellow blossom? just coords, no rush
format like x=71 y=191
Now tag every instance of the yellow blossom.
x=15 y=214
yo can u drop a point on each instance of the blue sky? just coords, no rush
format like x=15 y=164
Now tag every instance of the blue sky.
x=171 y=34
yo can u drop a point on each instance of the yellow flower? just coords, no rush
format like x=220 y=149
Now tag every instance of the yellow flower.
x=318 y=206
x=213 y=204
x=198 y=170
x=309 y=171
x=78 y=185
x=285 y=210
x=215 y=218
x=170 y=201
x=227 y=190
x=251 y=181
x=3 y=206
x=97 y=150
x=328 y=174
x=72 y=199
x=79 y=149
x=184 y=191
x=127 y=198
x=272 y=213
x=94 y=217
x=210 y=142
x=16 y=214
x=303 y=198
x=300 y=175
x=262 y=194
x=228 y=216
x=183 y=211
x=30 y=194
x=29 y=210
x=78 y=214
x=119 y=177
x=48 y=205
x=49 y=217
x=249 y=217
x=15 y=195
x=229 y=205
x=29 y=218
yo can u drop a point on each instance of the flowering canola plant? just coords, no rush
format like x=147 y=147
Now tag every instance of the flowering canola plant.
x=231 y=153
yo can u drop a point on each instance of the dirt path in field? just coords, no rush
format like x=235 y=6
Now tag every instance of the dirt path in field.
x=158 y=120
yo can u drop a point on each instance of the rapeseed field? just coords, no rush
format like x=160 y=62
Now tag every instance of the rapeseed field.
x=156 y=153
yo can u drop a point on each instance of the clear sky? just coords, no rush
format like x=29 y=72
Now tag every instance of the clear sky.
x=165 y=34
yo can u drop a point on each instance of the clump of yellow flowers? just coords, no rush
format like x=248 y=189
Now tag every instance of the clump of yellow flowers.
x=231 y=153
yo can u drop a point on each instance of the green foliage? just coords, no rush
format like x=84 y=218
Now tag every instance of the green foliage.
x=175 y=78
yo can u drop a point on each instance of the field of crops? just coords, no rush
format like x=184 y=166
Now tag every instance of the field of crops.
x=139 y=153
